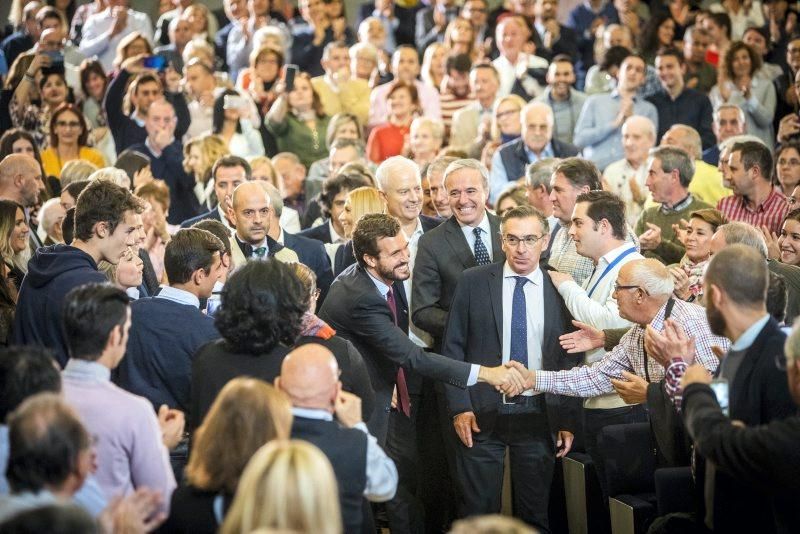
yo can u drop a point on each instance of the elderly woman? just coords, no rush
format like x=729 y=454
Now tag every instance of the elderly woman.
x=341 y=126
x=689 y=272
x=390 y=138
x=426 y=140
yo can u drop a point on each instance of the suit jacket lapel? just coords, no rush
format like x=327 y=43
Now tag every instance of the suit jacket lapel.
x=496 y=297
x=455 y=238
x=497 y=243
x=402 y=305
x=552 y=325
x=750 y=361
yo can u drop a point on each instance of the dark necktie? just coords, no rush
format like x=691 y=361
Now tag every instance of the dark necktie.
x=481 y=254
x=519 y=324
x=402 y=387
x=260 y=253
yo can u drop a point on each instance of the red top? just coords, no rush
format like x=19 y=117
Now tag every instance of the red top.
x=385 y=141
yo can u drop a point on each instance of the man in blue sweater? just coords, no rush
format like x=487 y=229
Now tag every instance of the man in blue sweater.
x=105 y=226
x=166 y=330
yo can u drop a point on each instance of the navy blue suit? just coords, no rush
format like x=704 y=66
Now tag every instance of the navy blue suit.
x=213 y=214
x=320 y=232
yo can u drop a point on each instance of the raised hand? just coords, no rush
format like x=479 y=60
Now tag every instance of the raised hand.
x=773 y=248
x=135 y=513
x=560 y=278
x=681 y=279
x=348 y=409
x=172 y=423
x=465 y=424
x=671 y=343
x=651 y=238
x=585 y=338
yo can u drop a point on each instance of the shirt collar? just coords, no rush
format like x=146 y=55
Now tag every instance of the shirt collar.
x=547 y=152
x=680 y=206
x=749 y=336
x=85 y=369
x=178 y=295
x=383 y=288
x=611 y=255
x=335 y=237
x=138 y=120
x=483 y=225
x=418 y=231
x=223 y=217
x=312 y=413
x=535 y=276
x=280 y=237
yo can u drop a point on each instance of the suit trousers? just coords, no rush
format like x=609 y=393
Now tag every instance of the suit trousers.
x=405 y=511
x=532 y=460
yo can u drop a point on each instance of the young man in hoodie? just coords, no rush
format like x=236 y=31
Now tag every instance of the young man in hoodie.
x=105 y=226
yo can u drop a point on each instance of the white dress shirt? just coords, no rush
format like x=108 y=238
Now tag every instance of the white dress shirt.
x=96 y=32
x=486 y=235
x=534 y=304
x=510 y=72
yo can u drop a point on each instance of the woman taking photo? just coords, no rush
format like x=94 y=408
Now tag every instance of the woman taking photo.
x=14 y=244
x=298 y=122
x=391 y=138
x=68 y=141
x=247 y=414
x=688 y=274
x=233 y=122
x=34 y=116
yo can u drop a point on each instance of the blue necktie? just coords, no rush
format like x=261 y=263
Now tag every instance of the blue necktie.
x=519 y=324
x=481 y=254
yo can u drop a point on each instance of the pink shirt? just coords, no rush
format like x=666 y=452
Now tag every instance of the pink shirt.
x=379 y=103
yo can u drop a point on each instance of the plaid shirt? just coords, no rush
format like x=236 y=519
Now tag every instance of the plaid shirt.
x=770 y=213
x=629 y=355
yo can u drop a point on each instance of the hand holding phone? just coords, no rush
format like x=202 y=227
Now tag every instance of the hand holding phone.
x=288 y=80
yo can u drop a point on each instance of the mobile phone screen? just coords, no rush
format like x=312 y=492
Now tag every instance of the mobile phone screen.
x=721 y=391
x=291 y=70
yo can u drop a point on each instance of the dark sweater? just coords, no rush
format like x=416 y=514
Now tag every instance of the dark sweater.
x=670 y=250
x=163 y=338
x=192 y=511
x=52 y=273
x=215 y=364
x=691 y=108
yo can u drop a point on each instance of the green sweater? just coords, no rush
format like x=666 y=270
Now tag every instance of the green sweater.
x=670 y=250
x=296 y=137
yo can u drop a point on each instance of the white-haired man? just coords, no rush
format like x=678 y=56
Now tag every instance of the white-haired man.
x=51 y=214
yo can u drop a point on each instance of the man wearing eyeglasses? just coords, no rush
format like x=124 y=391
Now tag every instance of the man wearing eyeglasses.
x=507 y=313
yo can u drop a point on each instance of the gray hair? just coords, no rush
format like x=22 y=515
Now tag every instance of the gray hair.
x=736 y=139
x=673 y=158
x=536 y=105
x=366 y=48
x=438 y=165
x=652 y=276
x=436 y=127
x=469 y=163
x=275 y=198
x=739 y=233
x=538 y=173
x=47 y=217
x=392 y=165
x=651 y=127
x=341 y=143
x=113 y=175
x=691 y=140
x=742 y=117
x=76 y=170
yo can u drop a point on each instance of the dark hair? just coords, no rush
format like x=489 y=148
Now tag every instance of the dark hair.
x=230 y=161
x=53 y=71
x=218 y=230
x=723 y=20
x=263 y=304
x=87 y=68
x=608 y=206
x=190 y=249
x=754 y=154
x=369 y=229
x=45 y=437
x=76 y=188
x=53 y=519
x=791 y=145
x=102 y=201
x=219 y=112
x=741 y=272
x=410 y=87
x=727 y=61
x=25 y=371
x=68 y=226
x=666 y=51
x=90 y=312
x=131 y=161
x=50 y=12
x=648 y=38
x=12 y=136
x=580 y=173
x=776 y=297
x=335 y=185
x=614 y=57
x=458 y=62
x=63 y=108
x=525 y=211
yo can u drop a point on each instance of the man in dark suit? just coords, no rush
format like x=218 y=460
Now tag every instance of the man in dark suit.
x=550 y=37
x=331 y=201
x=446 y=251
x=510 y=312
x=432 y=21
x=367 y=306
x=535 y=142
x=228 y=172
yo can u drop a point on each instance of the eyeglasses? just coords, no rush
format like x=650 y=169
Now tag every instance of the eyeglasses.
x=529 y=240
x=70 y=124
x=618 y=287
x=793 y=162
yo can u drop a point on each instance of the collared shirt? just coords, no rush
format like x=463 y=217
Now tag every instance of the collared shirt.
x=417 y=335
x=596 y=132
x=499 y=179
x=178 y=295
x=564 y=256
x=224 y=218
x=381 y=472
x=130 y=451
x=629 y=355
x=678 y=206
x=486 y=234
x=95 y=35
x=534 y=316
x=600 y=309
x=509 y=73
x=565 y=112
x=383 y=289
x=769 y=213
x=335 y=237
x=690 y=107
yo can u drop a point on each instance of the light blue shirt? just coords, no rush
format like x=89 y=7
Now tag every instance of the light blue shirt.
x=534 y=315
x=499 y=177
x=178 y=295
x=381 y=472
x=749 y=336
x=486 y=234
x=595 y=131
x=384 y=290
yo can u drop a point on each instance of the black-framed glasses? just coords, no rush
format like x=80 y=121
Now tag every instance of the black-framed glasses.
x=618 y=287
x=529 y=240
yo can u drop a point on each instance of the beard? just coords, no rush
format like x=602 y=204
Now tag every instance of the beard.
x=393 y=274
x=716 y=321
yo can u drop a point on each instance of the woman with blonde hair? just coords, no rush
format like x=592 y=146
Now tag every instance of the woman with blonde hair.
x=433 y=63
x=506 y=122
x=133 y=44
x=199 y=155
x=359 y=202
x=425 y=141
x=341 y=126
x=246 y=414
x=288 y=486
x=459 y=38
x=127 y=274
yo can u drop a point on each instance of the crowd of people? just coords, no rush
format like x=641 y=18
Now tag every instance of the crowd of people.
x=290 y=269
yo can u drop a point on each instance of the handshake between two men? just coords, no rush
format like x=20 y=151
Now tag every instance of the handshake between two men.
x=511 y=378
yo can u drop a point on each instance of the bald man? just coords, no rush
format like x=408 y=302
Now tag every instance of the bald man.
x=331 y=419
x=250 y=212
x=21 y=181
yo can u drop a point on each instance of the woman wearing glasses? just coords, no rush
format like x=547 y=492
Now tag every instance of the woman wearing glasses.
x=68 y=141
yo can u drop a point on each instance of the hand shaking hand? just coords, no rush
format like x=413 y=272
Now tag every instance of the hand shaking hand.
x=508 y=378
